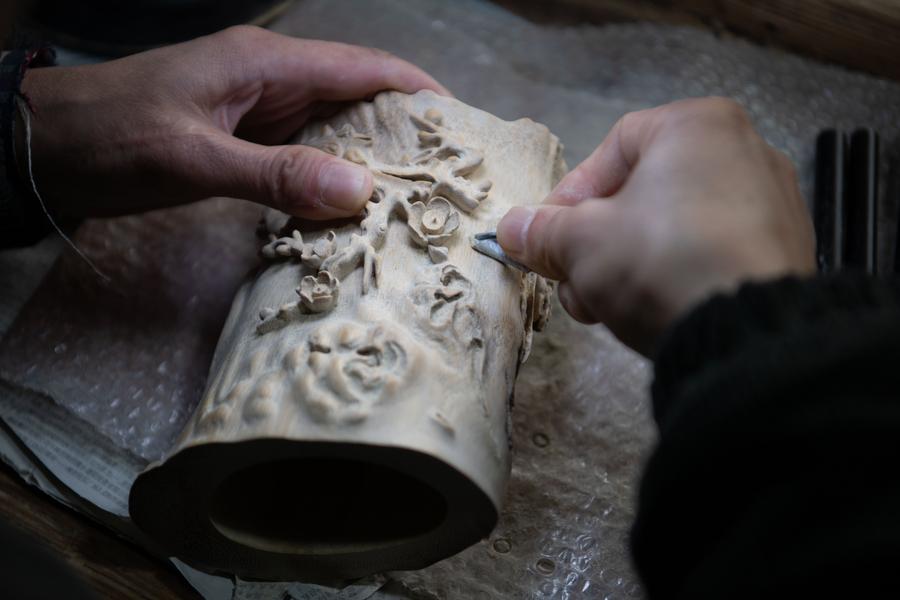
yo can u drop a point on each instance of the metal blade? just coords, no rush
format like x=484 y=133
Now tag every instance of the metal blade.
x=486 y=243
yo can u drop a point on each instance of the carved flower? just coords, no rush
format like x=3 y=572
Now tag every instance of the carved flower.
x=444 y=308
x=313 y=254
x=434 y=223
x=319 y=293
x=283 y=247
x=351 y=368
x=535 y=303
x=345 y=142
x=293 y=246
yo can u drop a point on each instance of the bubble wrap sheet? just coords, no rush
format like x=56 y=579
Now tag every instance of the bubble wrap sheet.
x=131 y=358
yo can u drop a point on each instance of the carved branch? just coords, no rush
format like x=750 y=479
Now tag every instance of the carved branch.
x=419 y=191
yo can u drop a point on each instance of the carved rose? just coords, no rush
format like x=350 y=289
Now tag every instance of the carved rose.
x=434 y=223
x=319 y=293
x=352 y=367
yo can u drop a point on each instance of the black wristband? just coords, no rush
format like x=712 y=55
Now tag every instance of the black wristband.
x=22 y=220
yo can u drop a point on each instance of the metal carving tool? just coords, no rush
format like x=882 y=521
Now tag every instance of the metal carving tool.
x=486 y=243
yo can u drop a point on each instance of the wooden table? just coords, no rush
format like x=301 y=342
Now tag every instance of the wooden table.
x=862 y=34
x=111 y=567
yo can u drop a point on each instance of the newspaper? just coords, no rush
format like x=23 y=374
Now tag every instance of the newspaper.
x=66 y=459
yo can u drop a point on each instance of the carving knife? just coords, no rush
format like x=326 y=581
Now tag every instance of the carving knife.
x=486 y=243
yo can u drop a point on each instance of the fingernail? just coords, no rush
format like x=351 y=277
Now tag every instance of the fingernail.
x=345 y=187
x=512 y=231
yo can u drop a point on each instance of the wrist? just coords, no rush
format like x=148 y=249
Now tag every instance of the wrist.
x=724 y=271
x=772 y=319
x=23 y=221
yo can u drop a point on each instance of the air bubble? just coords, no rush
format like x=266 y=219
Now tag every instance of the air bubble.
x=545 y=566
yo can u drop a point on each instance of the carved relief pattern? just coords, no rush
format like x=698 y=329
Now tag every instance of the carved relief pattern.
x=344 y=369
x=425 y=190
x=338 y=375
x=535 y=304
x=351 y=368
x=446 y=312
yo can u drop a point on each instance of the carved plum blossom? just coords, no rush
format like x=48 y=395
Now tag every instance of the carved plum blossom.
x=319 y=293
x=438 y=254
x=444 y=309
x=432 y=224
x=344 y=142
x=427 y=190
x=283 y=247
x=314 y=254
x=293 y=246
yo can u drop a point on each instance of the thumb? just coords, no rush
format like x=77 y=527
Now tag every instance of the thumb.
x=536 y=236
x=298 y=180
x=548 y=238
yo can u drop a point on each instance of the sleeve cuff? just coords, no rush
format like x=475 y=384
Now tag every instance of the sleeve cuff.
x=808 y=322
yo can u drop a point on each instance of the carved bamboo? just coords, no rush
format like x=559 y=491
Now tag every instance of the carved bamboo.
x=357 y=411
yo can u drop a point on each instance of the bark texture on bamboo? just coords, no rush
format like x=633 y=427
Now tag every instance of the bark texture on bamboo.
x=357 y=410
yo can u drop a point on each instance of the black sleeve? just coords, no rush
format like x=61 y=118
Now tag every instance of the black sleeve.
x=777 y=473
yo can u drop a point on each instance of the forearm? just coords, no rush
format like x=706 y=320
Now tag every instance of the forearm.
x=778 y=419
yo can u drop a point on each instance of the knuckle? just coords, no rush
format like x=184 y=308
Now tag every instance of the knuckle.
x=241 y=37
x=638 y=118
x=786 y=165
x=729 y=114
x=535 y=246
x=378 y=53
x=288 y=172
x=174 y=149
x=714 y=111
x=242 y=32
x=353 y=52
x=547 y=247
x=625 y=121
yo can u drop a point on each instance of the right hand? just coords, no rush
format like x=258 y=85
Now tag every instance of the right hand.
x=678 y=202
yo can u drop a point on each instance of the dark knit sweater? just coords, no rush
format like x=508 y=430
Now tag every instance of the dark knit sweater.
x=777 y=473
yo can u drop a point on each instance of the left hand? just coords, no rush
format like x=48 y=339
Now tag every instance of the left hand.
x=205 y=118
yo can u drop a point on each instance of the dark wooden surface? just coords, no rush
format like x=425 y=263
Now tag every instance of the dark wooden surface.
x=862 y=34
x=110 y=566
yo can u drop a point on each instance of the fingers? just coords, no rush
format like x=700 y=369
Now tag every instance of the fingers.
x=604 y=172
x=550 y=239
x=572 y=303
x=331 y=71
x=298 y=180
x=347 y=72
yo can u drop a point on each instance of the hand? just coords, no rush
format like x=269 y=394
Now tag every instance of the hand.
x=677 y=203
x=199 y=119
